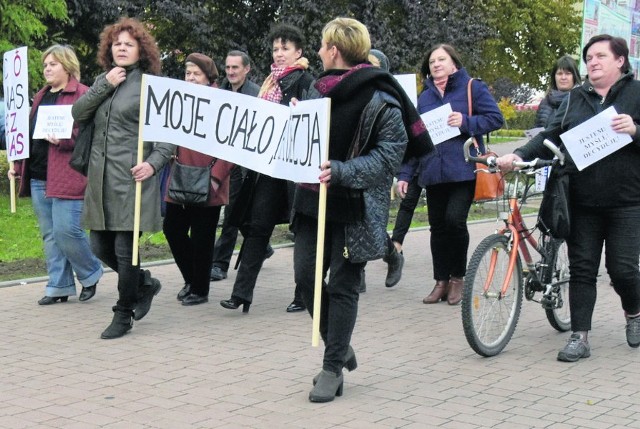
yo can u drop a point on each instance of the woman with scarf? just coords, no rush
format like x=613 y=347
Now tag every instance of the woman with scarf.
x=371 y=117
x=563 y=78
x=450 y=181
x=265 y=201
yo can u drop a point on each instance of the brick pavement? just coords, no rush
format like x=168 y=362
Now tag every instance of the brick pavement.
x=208 y=367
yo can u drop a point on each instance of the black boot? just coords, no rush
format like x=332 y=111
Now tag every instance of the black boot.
x=121 y=324
x=149 y=288
x=394 y=261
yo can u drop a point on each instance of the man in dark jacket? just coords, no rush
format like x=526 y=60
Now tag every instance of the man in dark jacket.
x=237 y=67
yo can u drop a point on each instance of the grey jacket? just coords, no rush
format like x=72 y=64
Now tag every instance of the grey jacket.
x=383 y=140
x=110 y=195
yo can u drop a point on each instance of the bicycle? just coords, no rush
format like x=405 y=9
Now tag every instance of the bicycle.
x=496 y=281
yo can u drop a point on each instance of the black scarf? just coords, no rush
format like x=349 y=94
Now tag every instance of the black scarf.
x=355 y=87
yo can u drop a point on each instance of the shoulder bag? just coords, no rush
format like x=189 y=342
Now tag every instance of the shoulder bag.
x=489 y=186
x=79 y=160
x=189 y=185
x=554 y=214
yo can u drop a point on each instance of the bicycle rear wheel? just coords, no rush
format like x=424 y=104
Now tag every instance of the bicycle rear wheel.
x=560 y=316
x=489 y=318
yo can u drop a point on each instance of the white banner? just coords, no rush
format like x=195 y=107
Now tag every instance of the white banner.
x=594 y=139
x=276 y=140
x=15 y=82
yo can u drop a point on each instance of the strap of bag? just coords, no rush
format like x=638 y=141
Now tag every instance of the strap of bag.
x=470 y=113
x=176 y=158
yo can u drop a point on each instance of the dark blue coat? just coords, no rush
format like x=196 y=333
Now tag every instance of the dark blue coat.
x=446 y=163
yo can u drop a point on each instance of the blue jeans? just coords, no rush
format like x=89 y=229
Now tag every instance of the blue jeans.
x=618 y=228
x=66 y=246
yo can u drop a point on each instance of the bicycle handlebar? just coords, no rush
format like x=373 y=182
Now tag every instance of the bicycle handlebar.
x=490 y=161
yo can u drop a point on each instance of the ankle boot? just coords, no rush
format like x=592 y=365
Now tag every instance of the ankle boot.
x=350 y=363
x=329 y=386
x=395 y=262
x=455 y=290
x=438 y=293
x=121 y=324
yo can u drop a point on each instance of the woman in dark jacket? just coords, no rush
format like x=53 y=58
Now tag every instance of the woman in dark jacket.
x=605 y=196
x=564 y=76
x=266 y=200
x=126 y=51
x=358 y=174
x=449 y=180
x=191 y=230
x=57 y=191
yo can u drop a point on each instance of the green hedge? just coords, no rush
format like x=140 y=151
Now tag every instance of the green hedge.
x=524 y=120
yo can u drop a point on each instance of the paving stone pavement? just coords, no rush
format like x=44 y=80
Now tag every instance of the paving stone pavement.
x=208 y=367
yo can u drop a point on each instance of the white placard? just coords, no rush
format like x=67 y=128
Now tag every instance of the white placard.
x=55 y=121
x=436 y=122
x=15 y=83
x=408 y=83
x=594 y=139
x=276 y=140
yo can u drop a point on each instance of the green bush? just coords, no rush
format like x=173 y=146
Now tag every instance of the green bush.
x=4 y=179
x=507 y=133
x=524 y=120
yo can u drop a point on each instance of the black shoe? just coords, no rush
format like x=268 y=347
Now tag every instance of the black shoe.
x=186 y=290
x=48 y=300
x=269 y=253
x=87 y=293
x=193 y=299
x=295 y=307
x=217 y=274
x=395 y=262
x=121 y=324
x=362 y=287
x=150 y=288
x=233 y=303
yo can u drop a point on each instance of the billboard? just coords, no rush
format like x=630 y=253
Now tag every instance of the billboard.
x=619 y=18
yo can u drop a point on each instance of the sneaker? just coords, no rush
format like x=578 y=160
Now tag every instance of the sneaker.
x=217 y=274
x=577 y=347
x=633 y=332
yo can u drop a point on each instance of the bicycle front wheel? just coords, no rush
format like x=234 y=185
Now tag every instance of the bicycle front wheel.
x=560 y=315
x=489 y=317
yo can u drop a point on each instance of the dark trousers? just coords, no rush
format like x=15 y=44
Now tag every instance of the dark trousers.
x=339 y=305
x=226 y=242
x=268 y=206
x=619 y=230
x=115 y=249
x=449 y=205
x=191 y=234
x=405 y=211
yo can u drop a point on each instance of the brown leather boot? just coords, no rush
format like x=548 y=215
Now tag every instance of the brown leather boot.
x=455 y=290
x=438 y=293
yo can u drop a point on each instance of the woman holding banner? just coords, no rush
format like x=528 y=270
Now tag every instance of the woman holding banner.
x=605 y=196
x=264 y=201
x=126 y=51
x=56 y=190
x=371 y=117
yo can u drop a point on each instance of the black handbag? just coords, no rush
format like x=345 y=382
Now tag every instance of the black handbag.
x=554 y=217
x=188 y=184
x=82 y=149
